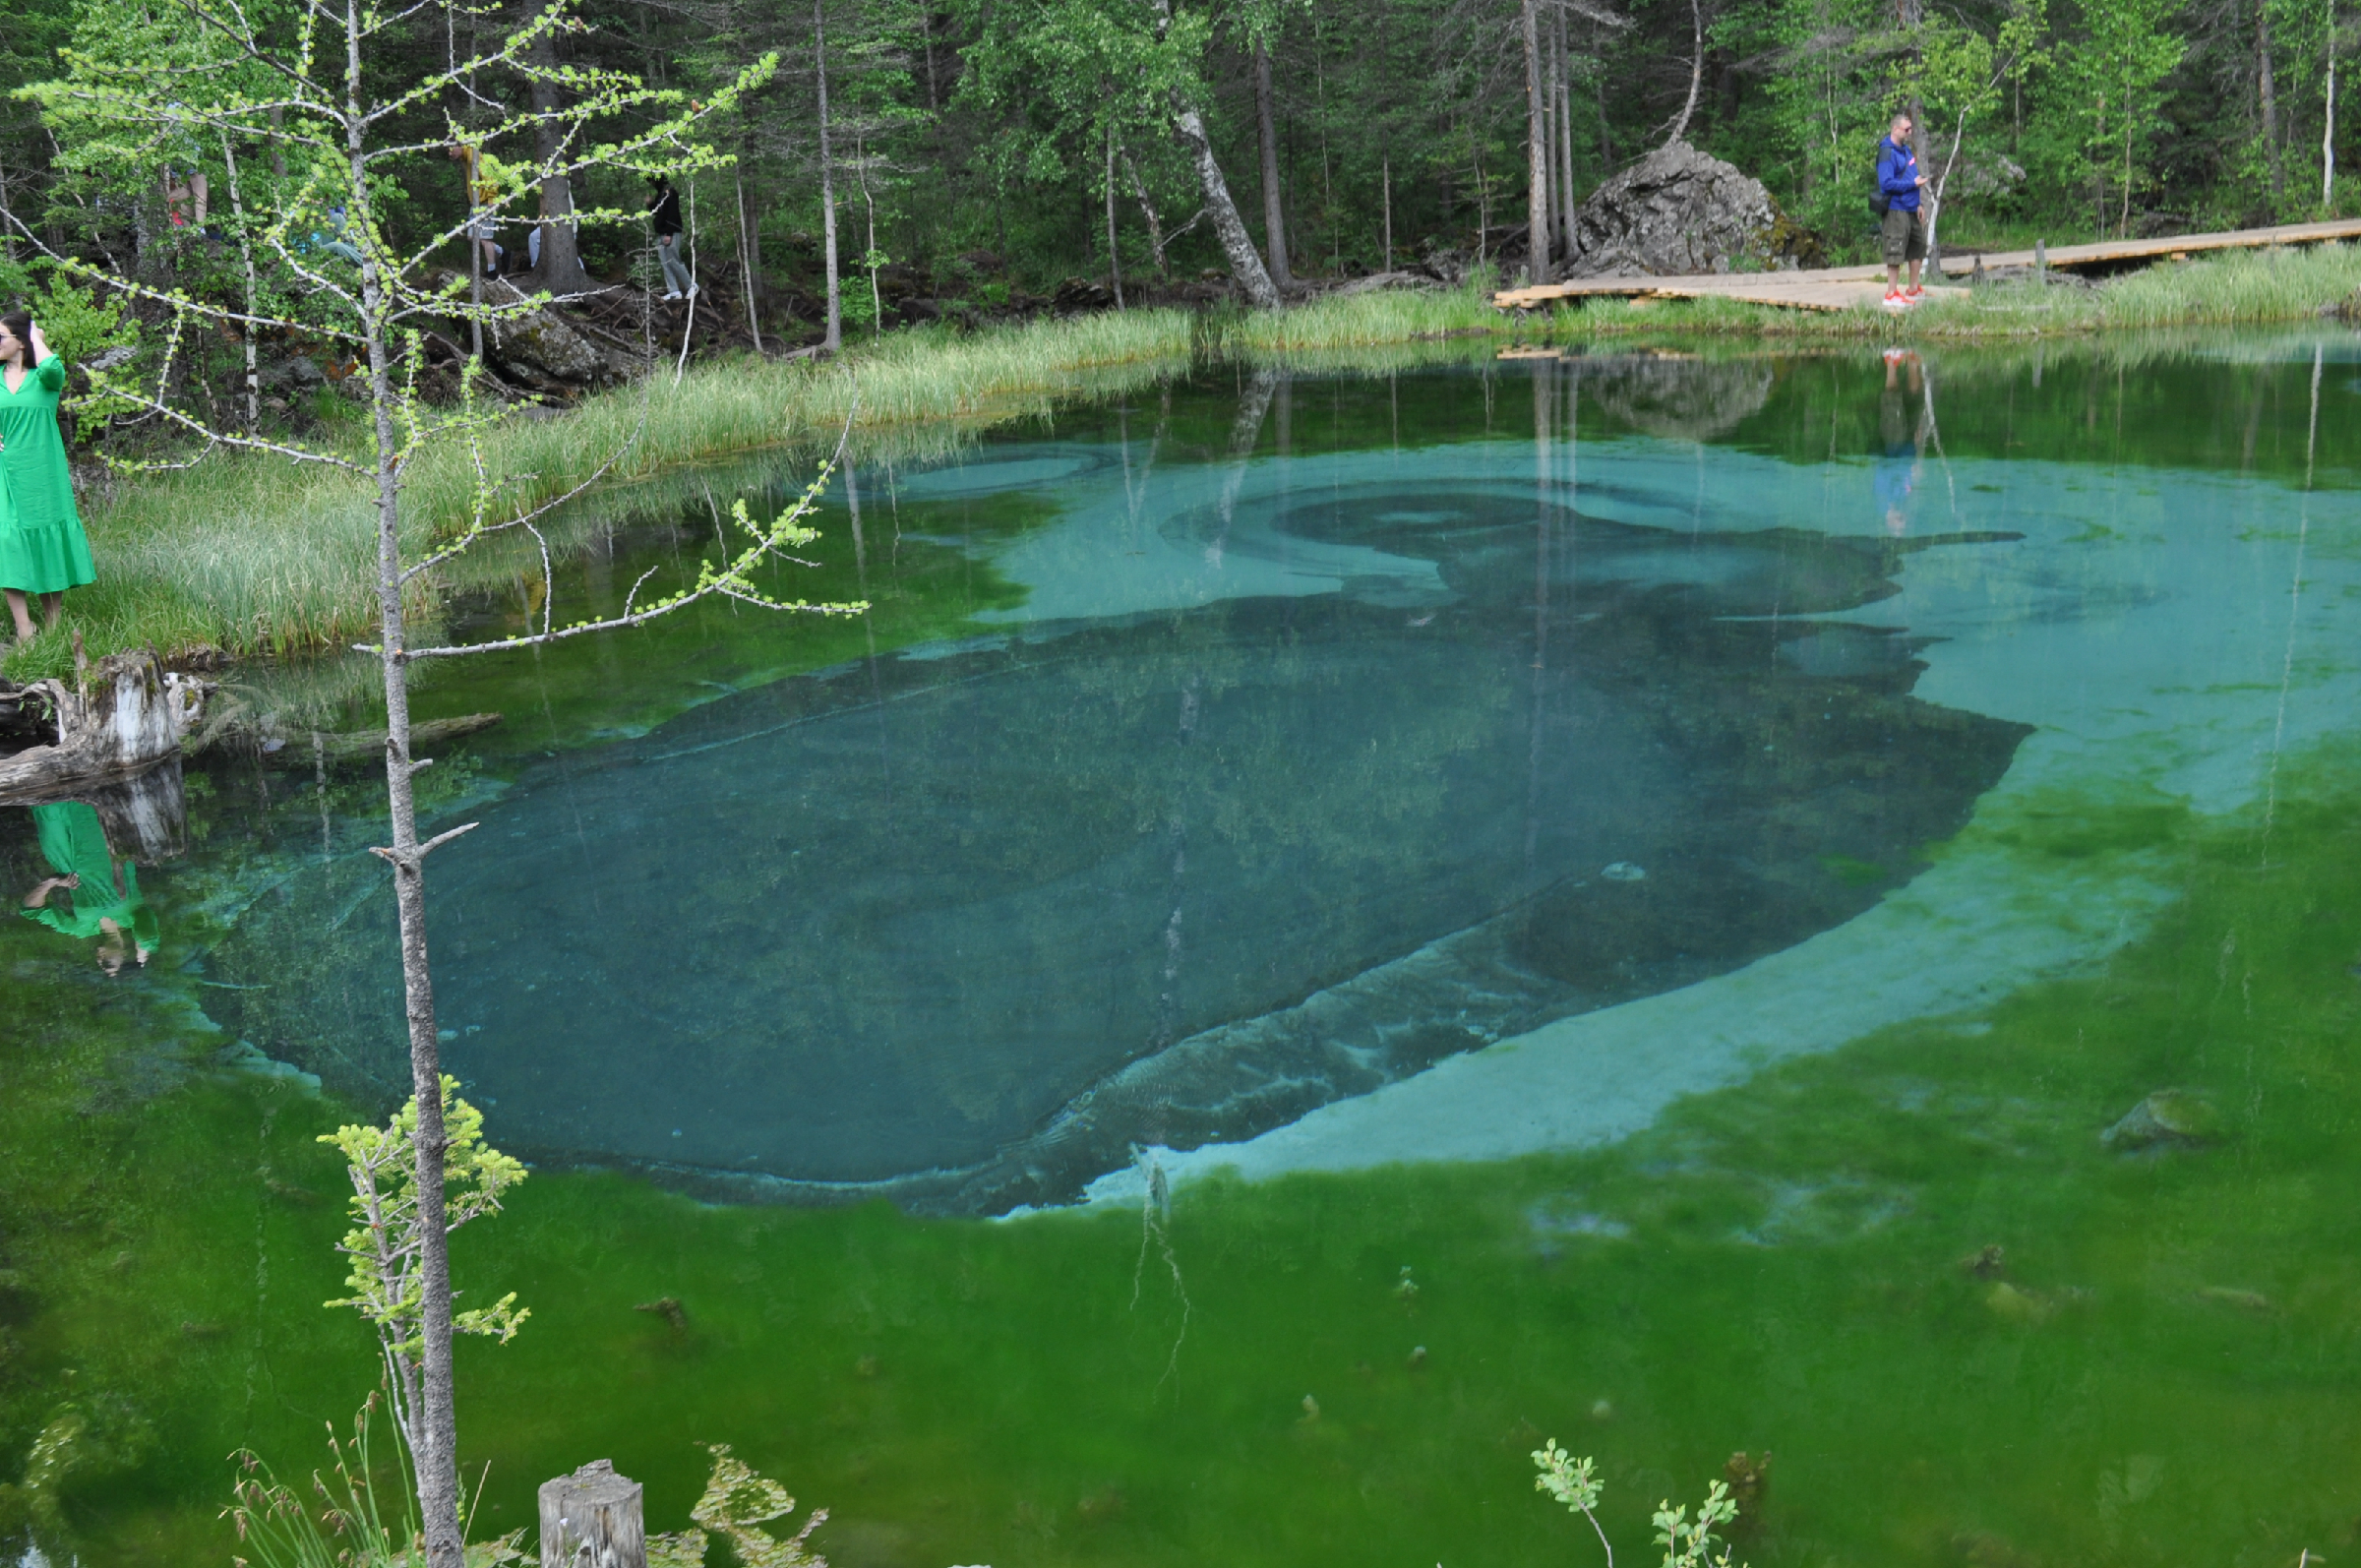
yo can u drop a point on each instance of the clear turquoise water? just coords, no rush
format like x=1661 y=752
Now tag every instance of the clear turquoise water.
x=1635 y=838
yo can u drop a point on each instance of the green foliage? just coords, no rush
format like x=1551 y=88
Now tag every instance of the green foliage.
x=736 y=1505
x=82 y=328
x=1690 y=1543
x=388 y=1239
x=1687 y=1542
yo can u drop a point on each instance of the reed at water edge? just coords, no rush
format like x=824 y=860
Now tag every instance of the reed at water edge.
x=251 y=555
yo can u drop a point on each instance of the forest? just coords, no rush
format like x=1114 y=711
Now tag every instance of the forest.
x=978 y=154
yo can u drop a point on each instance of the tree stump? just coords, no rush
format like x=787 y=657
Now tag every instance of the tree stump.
x=118 y=718
x=592 y=1519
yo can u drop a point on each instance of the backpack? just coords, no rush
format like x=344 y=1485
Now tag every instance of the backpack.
x=1879 y=201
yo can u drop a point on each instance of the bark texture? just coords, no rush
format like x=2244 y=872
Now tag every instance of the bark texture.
x=560 y=269
x=1274 y=205
x=1536 y=150
x=1237 y=246
x=828 y=179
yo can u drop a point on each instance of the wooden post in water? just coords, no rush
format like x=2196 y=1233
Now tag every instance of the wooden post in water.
x=592 y=1519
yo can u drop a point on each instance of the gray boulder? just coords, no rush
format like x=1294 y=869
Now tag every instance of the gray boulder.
x=1681 y=211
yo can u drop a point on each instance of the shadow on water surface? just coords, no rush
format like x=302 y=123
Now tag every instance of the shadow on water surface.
x=966 y=928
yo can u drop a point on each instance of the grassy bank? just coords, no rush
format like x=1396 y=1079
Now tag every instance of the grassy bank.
x=251 y=556
x=2236 y=289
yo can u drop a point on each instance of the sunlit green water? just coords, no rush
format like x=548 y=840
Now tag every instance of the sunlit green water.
x=1985 y=741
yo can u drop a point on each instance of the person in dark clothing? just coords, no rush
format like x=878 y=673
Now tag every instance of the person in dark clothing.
x=1901 y=184
x=664 y=217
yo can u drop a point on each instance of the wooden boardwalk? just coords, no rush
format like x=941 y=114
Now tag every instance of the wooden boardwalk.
x=1845 y=287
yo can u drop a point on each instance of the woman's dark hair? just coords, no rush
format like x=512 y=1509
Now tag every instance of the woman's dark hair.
x=20 y=326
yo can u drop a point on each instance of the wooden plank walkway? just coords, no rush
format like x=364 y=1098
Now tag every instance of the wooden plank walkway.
x=1843 y=287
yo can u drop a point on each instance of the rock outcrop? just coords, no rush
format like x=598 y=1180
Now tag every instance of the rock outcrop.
x=1679 y=210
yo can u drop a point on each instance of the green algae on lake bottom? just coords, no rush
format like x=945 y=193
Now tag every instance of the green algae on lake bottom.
x=2153 y=1365
x=2161 y=1368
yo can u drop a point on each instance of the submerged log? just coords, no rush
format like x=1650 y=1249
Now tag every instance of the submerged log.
x=592 y=1519
x=119 y=717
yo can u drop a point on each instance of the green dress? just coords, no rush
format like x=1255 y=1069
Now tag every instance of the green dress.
x=75 y=845
x=42 y=548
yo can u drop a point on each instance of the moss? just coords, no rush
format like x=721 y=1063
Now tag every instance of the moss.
x=2160 y=1365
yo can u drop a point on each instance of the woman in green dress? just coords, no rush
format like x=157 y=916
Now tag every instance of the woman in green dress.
x=42 y=548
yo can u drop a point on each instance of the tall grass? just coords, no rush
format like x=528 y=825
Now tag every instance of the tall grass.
x=251 y=555
x=1393 y=316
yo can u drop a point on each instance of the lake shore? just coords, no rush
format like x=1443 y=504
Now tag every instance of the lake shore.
x=252 y=558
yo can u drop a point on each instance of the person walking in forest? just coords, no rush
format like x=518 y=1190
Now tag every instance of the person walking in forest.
x=664 y=217
x=42 y=548
x=1900 y=188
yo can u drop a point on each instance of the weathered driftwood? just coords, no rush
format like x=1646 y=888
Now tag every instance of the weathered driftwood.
x=120 y=717
x=592 y=1519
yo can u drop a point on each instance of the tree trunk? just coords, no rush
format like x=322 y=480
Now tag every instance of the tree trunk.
x=127 y=717
x=1147 y=209
x=1607 y=131
x=2267 y=98
x=828 y=179
x=1386 y=177
x=1115 y=262
x=2327 y=127
x=1680 y=127
x=560 y=269
x=434 y=1446
x=435 y=1441
x=1565 y=140
x=592 y=1516
x=1274 y=214
x=246 y=330
x=1237 y=246
x=1537 y=150
x=746 y=254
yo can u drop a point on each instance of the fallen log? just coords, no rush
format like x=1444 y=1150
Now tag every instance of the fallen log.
x=352 y=746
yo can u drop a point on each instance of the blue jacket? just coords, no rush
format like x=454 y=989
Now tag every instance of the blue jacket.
x=1898 y=175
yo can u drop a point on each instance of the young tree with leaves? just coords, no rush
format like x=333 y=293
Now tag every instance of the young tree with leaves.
x=298 y=79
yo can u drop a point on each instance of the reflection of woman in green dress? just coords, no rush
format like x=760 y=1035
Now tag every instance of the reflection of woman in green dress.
x=42 y=548
x=104 y=892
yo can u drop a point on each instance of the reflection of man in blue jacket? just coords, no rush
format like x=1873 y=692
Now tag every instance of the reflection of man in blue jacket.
x=1900 y=183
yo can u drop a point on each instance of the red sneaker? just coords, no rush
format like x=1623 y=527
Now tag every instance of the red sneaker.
x=1913 y=293
x=1896 y=299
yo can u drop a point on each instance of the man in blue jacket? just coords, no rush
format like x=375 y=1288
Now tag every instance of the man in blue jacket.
x=1901 y=184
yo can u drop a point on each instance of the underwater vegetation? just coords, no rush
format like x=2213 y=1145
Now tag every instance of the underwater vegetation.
x=1914 y=1268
